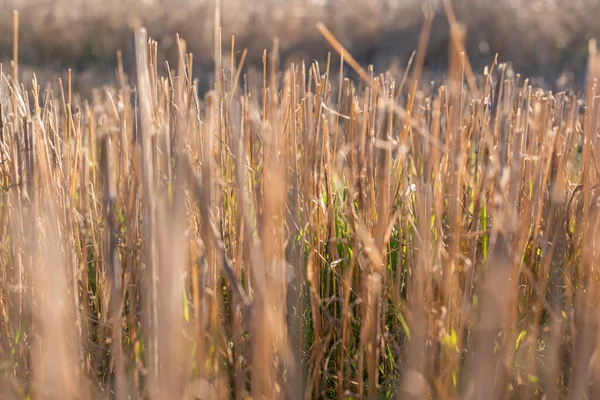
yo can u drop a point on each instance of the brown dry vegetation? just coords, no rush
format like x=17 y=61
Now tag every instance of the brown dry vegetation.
x=295 y=233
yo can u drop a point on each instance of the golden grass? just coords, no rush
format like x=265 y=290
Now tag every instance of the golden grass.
x=299 y=236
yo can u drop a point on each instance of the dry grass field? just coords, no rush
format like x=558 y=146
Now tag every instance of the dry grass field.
x=309 y=225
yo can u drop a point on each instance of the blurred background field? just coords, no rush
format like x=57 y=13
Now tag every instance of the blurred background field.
x=545 y=39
